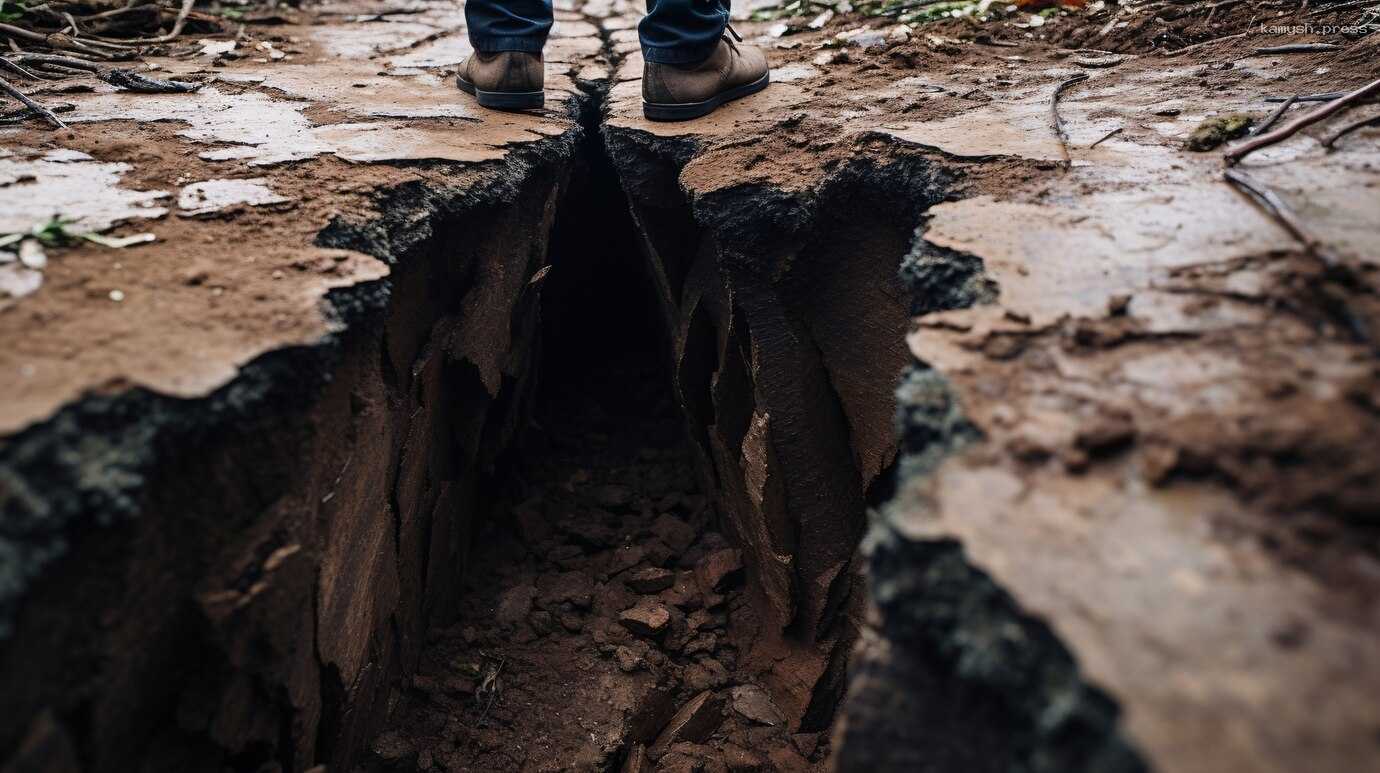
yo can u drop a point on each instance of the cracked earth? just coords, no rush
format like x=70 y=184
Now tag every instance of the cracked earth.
x=283 y=487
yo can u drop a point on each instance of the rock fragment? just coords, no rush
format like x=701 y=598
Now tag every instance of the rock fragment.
x=648 y=618
x=694 y=722
x=628 y=659
x=576 y=588
x=650 y=579
x=754 y=704
x=637 y=761
x=613 y=496
x=677 y=534
x=740 y=760
x=514 y=604
x=720 y=569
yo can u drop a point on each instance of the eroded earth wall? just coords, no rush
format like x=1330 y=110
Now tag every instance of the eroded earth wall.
x=784 y=305
x=242 y=577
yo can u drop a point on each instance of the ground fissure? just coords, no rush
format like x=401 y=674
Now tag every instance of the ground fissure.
x=483 y=404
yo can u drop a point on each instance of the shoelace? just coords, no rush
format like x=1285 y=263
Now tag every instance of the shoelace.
x=736 y=36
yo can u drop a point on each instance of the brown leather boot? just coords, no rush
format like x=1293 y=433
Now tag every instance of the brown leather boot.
x=505 y=80
x=672 y=92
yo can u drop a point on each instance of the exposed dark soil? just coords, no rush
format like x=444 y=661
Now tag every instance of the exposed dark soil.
x=605 y=617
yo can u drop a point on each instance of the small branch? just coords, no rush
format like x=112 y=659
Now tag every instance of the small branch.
x=1108 y=136
x=64 y=61
x=24 y=114
x=14 y=67
x=47 y=114
x=1324 y=97
x=1298 y=48
x=176 y=30
x=1308 y=119
x=1342 y=7
x=1277 y=208
x=1197 y=46
x=1057 y=121
x=1348 y=129
x=1274 y=116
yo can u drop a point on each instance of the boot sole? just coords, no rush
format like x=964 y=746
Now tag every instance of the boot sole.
x=688 y=110
x=503 y=100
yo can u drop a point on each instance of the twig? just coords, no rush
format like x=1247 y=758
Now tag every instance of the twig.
x=1108 y=136
x=24 y=114
x=1303 y=121
x=20 y=32
x=47 y=114
x=1324 y=97
x=176 y=28
x=1277 y=208
x=1342 y=7
x=1197 y=46
x=1348 y=129
x=22 y=72
x=1274 y=116
x=1298 y=48
x=65 y=61
x=1056 y=120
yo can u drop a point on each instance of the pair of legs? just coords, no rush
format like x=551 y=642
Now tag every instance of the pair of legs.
x=678 y=32
x=694 y=62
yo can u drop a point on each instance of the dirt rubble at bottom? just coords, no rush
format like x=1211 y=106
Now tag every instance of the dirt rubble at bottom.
x=605 y=621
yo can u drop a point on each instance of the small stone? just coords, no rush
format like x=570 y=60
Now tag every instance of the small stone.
x=707 y=674
x=623 y=558
x=740 y=760
x=677 y=534
x=703 y=644
x=613 y=496
x=531 y=525
x=719 y=569
x=684 y=593
x=514 y=604
x=117 y=295
x=543 y=623
x=572 y=623
x=867 y=40
x=648 y=618
x=678 y=762
x=574 y=587
x=628 y=660
x=1117 y=305
x=702 y=620
x=752 y=703
x=805 y=743
x=392 y=747
x=31 y=254
x=650 y=579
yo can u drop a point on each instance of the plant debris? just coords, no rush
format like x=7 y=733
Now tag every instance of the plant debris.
x=1217 y=131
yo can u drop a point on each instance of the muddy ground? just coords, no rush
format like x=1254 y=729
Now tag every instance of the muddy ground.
x=382 y=454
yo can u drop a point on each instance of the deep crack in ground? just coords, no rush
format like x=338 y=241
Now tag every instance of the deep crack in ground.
x=603 y=612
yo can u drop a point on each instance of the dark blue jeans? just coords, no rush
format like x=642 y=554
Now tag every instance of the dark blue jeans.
x=673 y=31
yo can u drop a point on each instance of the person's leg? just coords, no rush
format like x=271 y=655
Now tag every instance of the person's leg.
x=682 y=31
x=508 y=25
x=695 y=62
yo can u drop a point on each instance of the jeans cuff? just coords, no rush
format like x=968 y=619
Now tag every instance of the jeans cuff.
x=679 y=54
x=495 y=44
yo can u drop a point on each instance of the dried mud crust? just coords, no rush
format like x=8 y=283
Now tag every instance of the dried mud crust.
x=1134 y=521
x=605 y=624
